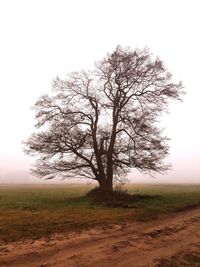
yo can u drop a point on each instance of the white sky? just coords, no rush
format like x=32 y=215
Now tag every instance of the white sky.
x=42 y=38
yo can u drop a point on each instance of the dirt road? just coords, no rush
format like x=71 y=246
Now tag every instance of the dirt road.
x=167 y=241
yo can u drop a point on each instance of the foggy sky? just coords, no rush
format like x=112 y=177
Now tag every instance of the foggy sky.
x=43 y=39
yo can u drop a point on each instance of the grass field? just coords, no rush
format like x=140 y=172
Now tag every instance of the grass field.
x=31 y=212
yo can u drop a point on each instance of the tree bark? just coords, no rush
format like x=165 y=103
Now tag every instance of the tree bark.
x=106 y=185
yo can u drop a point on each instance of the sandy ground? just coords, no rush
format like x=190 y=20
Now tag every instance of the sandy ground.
x=128 y=245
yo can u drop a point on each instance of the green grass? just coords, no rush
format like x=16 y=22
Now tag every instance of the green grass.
x=37 y=211
x=170 y=198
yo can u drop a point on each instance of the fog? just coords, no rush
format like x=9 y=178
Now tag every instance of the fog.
x=43 y=39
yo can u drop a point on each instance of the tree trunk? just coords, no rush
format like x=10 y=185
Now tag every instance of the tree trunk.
x=106 y=185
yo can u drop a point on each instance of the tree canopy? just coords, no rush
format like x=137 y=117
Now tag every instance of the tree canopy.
x=99 y=124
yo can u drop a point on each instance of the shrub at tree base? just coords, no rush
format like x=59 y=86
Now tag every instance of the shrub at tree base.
x=116 y=198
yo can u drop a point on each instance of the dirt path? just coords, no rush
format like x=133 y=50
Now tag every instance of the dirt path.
x=133 y=245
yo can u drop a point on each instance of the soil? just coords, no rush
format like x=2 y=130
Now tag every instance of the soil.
x=172 y=240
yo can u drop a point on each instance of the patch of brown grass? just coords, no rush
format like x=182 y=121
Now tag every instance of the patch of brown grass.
x=26 y=224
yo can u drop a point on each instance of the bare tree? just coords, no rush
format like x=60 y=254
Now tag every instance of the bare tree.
x=99 y=124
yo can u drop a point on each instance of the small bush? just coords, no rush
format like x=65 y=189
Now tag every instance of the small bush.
x=116 y=198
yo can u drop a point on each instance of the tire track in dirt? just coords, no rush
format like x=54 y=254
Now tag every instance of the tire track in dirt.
x=136 y=244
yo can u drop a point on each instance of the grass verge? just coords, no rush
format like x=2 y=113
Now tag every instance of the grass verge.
x=31 y=212
x=182 y=259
